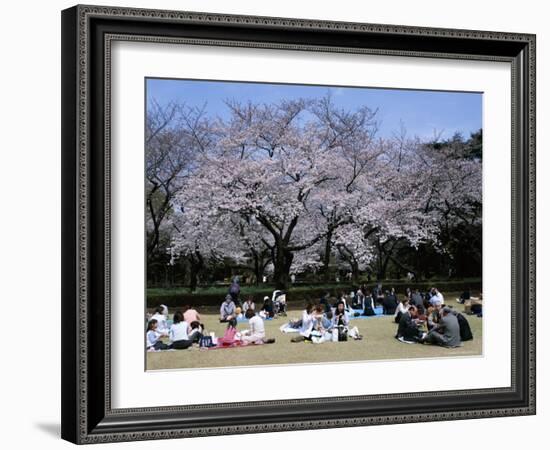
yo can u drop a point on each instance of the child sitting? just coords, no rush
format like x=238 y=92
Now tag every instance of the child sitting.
x=196 y=330
x=229 y=337
x=153 y=336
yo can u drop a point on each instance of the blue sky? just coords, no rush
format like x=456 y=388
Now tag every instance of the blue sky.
x=421 y=112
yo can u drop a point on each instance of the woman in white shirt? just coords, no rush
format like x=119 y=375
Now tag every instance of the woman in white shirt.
x=256 y=334
x=402 y=308
x=162 y=324
x=306 y=327
x=179 y=339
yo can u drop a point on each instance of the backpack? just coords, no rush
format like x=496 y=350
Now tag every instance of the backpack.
x=465 y=330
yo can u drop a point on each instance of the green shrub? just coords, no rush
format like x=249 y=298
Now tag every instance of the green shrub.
x=296 y=295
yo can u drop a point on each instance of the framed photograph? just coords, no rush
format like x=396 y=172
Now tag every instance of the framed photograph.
x=283 y=224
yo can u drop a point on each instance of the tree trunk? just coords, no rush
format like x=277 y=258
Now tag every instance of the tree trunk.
x=380 y=266
x=282 y=263
x=193 y=278
x=326 y=258
x=258 y=269
x=354 y=272
x=196 y=264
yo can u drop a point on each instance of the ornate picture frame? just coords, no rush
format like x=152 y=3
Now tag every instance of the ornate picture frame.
x=87 y=35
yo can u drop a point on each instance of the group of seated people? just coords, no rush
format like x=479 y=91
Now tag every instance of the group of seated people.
x=185 y=329
x=255 y=334
x=432 y=323
x=421 y=318
x=321 y=323
x=233 y=308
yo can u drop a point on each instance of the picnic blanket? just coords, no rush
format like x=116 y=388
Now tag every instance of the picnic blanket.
x=378 y=311
x=232 y=345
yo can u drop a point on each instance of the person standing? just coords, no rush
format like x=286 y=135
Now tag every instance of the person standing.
x=235 y=290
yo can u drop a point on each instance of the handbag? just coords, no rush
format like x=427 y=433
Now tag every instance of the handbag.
x=206 y=342
x=342 y=334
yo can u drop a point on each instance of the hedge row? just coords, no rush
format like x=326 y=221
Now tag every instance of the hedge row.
x=296 y=295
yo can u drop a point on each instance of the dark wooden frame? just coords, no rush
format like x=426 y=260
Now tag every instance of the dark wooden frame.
x=87 y=31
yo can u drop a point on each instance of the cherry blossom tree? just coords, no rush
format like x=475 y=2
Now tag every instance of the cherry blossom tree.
x=293 y=185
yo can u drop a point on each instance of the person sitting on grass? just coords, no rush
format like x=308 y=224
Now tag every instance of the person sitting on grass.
x=433 y=316
x=446 y=333
x=191 y=315
x=325 y=301
x=368 y=309
x=417 y=300
x=322 y=325
x=248 y=304
x=306 y=325
x=342 y=298
x=179 y=339
x=402 y=307
x=256 y=333
x=267 y=311
x=229 y=337
x=196 y=331
x=378 y=294
x=436 y=297
x=389 y=304
x=161 y=318
x=154 y=342
x=340 y=321
x=340 y=316
x=466 y=295
x=238 y=312
x=357 y=301
x=295 y=325
x=465 y=330
x=227 y=310
x=408 y=330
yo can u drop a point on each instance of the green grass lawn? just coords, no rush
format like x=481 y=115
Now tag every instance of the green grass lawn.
x=378 y=344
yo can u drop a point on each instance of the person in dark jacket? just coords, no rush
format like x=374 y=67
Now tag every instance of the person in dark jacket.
x=267 y=307
x=325 y=302
x=465 y=330
x=234 y=291
x=377 y=294
x=368 y=309
x=416 y=299
x=466 y=295
x=447 y=332
x=407 y=330
x=389 y=304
